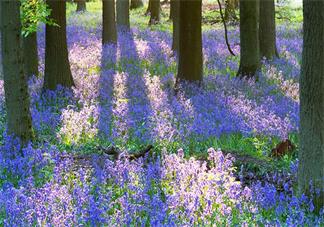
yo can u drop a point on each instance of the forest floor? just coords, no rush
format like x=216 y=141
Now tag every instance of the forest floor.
x=124 y=98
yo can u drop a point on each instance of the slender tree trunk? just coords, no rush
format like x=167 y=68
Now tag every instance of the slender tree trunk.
x=30 y=54
x=57 y=66
x=148 y=10
x=15 y=80
x=135 y=4
x=81 y=6
x=190 y=41
x=267 y=29
x=311 y=152
x=155 y=12
x=1 y=69
x=109 y=31
x=171 y=10
x=123 y=13
x=249 y=36
x=176 y=16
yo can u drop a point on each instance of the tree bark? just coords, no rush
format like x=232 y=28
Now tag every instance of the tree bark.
x=176 y=15
x=311 y=152
x=123 y=14
x=267 y=29
x=135 y=4
x=249 y=37
x=1 y=69
x=15 y=80
x=109 y=31
x=148 y=10
x=57 y=66
x=81 y=6
x=155 y=12
x=30 y=54
x=190 y=41
x=171 y=10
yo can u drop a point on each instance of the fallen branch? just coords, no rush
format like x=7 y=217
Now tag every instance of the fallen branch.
x=112 y=151
x=118 y=154
x=140 y=154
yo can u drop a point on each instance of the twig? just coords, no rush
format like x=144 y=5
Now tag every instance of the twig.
x=225 y=27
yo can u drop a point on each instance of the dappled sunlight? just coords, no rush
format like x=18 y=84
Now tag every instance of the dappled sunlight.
x=78 y=125
x=144 y=105
x=120 y=108
x=258 y=118
x=209 y=160
x=163 y=116
x=288 y=87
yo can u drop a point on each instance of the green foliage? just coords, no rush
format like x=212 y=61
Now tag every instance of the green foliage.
x=34 y=12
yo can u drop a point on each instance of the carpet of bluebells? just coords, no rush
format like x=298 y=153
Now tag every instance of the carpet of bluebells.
x=124 y=96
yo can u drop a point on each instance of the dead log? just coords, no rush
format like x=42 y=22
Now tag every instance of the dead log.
x=113 y=151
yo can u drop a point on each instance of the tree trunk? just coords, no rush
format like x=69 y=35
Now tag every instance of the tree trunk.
x=1 y=69
x=249 y=37
x=171 y=10
x=176 y=15
x=30 y=54
x=155 y=12
x=135 y=4
x=109 y=31
x=230 y=7
x=190 y=41
x=267 y=29
x=81 y=6
x=123 y=13
x=148 y=10
x=57 y=66
x=311 y=152
x=15 y=80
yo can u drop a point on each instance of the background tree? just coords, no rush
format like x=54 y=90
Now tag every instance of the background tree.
x=1 y=70
x=171 y=10
x=109 y=31
x=30 y=54
x=249 y=37
x=57 y=66
x=175 y=15
x=123 y=13
x=15 y=81
x=155 y=12
x=267 y=29
x=190 y=41
x=230 y=7
x=135 y=4
x=81 y=5
x=32 y=12
x=148 y=10
x=311 y=152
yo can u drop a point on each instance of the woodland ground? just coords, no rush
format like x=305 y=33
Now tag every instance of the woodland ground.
x=124 y=97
